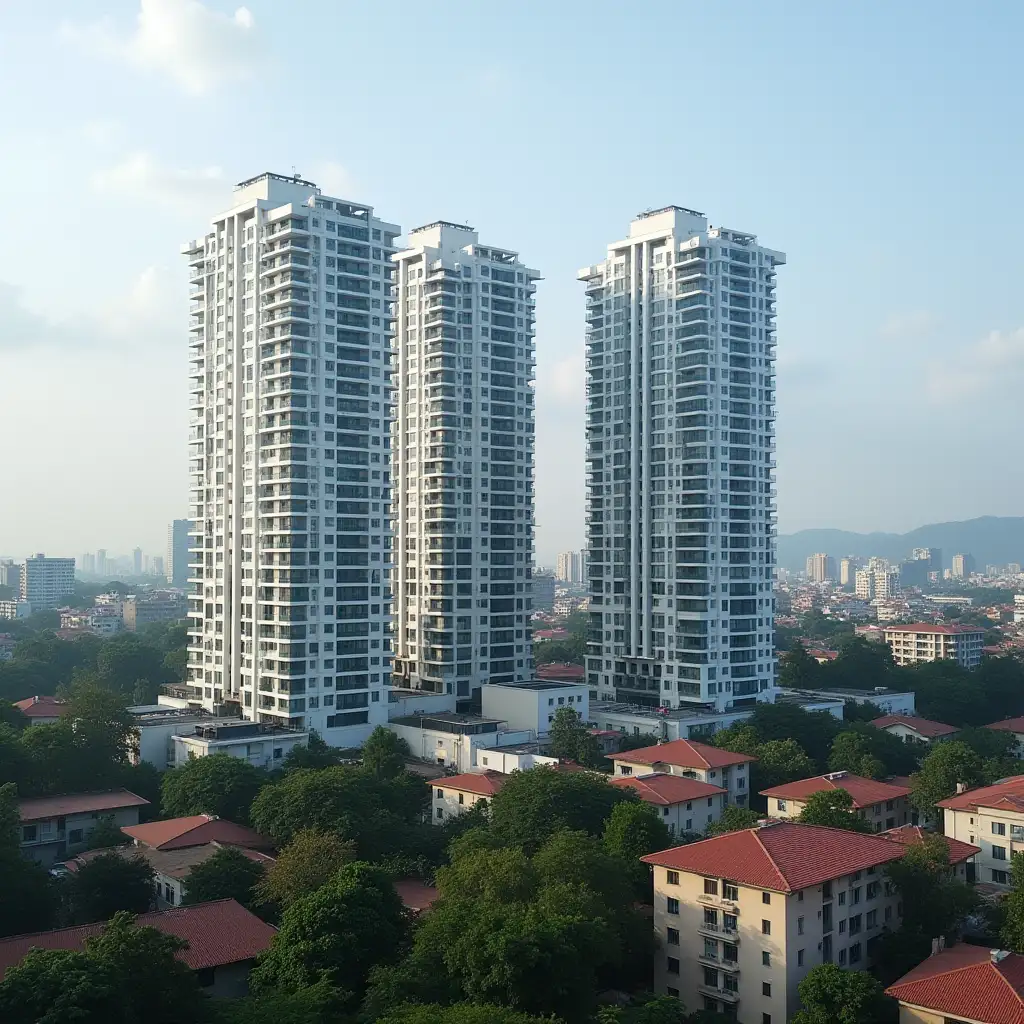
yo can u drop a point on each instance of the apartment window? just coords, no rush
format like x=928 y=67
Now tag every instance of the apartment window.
x=855 y=924
x=730 y=922
x=29 y=833
x=1000 y=877
x=855 y=953
x=440 y=794
x=766 y=897
x=780 y=805
x=872 y=890
x=672 y=877
x=799 y=926
x=710 y=948
x=672 y=905
x=799 y=958
x=998 y=852
x=998 y=828
x=766 y=958
x=672 y=965
x=766 y=1018
x=766 y=988
x=711 y=977
x=888 y=914
x=674 y=992
x=871 y=920
x=730 y=952
x=842 y=899
x=710 y=918
x=730 y=891
x=766 y=926
x=440 y=812
x=826 y=890
x=841 y=958
x=672 y=936
x=710 y=887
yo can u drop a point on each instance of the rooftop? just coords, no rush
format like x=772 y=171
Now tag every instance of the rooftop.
x=446 y=721
x=967 y=982
x=536 y=684
x=683 y=754
x=910 y=835
x=922 y=725
x=480 y=783
x=174 y=863
x=782 y=856
x=931 y=627
x=664 y=790
x=40 y=808
x=1008 y=725
x=1007 y=794
x=195 y=830
x=865 y=792
x=218 y=933
x=41 y=707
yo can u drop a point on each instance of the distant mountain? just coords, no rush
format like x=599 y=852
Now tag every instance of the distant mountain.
x=992 y=540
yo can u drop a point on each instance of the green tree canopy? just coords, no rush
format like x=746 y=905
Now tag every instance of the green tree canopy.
x=1012 y=933
x=27 y=899
x=462 y=1013
x=633 y=830
x=106 y=884
x=315 y=753
x=384 y=753
x=778 y=762
x=945 y=766
x=308 y=862
x=219 y=784
x=733 y=819
x=834 y=808
x=228 y=875
x=798 y=669
x=831 y=995
x=569 y=737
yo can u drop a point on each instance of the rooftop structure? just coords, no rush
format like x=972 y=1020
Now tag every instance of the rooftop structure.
x=925 y=729
x=44 y=807
x=683 y=754
x=865 y=792
x=195 y=830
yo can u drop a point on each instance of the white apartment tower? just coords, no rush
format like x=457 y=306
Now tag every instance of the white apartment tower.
x=681 y=452
x=45 y=582
x=290 y=355
x=463 y=462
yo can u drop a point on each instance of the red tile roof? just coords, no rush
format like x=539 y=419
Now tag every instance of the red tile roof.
x=783 y=856
x=865 y=792
x=43 y=807
x=963 y=982
x=922 y=725
x=196 y=830
x=1007 y=794
x=683 y=754
x=910 y=835
x=414 y=894
x=931 y=627
x=480 y=783
x=41 y=707
x=1008 y=725
x=218 y=933
x=663 y=789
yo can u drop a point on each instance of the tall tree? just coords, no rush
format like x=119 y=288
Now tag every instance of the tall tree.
x=462 y=1013
x=798 y=669
x=778 y=762
x=219 y=784
x=109 y=883
x=1012 y=933
x=633 y=830
x=228 y=875
x=27 y=898
x=308 y=862
x=834 y=808
x=831 y=995
x=569 y=737
x=733 y=819
x=384 y=753
x=946 y=766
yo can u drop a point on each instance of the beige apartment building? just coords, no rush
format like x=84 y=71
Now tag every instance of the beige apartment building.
x=741 y=918
x=924 y=641
x=458 y=793
x=1012 y=725
x=913 y=729
x=883 y=804
x=685 y=805
x=992 y=819
x=693 y=760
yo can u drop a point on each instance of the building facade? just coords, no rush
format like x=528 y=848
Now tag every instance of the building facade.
x=963 y=566
x=820 y=568
x=46 y=582
x=178 y=552
x=992 y=819
x=680 y=446
x=571 y=566
x=463 y=458
x=924 y=641
x=290 y=354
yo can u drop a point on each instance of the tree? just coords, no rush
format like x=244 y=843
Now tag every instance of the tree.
x=127 y=975
x=1012 y=933
x=336 y=933
x=315 y=753
x=228 y=875
x=860 y=665
x=798 y=669
x=384 y=753
x=831 y=995
x=778 y=762
x=650 y=1009
x=569 y=737
x=644 y=739
x=308 y=862
x=219 y=784
x=633 y=830
x=109 y=883
x=13 y=717
x=834 y=808
x=813 y=730
x=27 y=899
x=851 y=752
x=946 y=766
x=534 y=804
x=462 y=1013
x=315 y=1004
x=733 y=819
x=106 y=834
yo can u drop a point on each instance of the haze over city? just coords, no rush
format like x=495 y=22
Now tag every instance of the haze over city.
x=852 y=149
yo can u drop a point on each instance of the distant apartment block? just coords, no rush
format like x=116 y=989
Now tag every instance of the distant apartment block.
x=877 y=583
x=15 y=609
x=821 y=567
x=571 y=567
x=963 y=566
x=178 y=552
x=924 y=641
x=160 y=606
x=46 y=582
x=848 y=570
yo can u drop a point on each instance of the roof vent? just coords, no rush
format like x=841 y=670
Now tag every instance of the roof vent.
x=836 y=775
x=961 y=787
x=997 y=955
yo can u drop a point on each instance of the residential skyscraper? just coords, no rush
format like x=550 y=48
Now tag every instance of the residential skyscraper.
x=137 y=562
x=570 y=566
x=463 y=458
x=178 y=552
x=848 y=567
x=821 y=567
x=680 y=444
x=290 y=398
x=963 y=566
x=45 y=582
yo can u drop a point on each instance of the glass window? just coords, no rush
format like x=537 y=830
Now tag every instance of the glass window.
x=710 y=948
x=998 y=828
x=710 y=887
x=766 y=897
x=766 y=959
x=672 y=905
x=766 y=926
x=766 y=988
x=672 y=965
x=672 y=877
x=730 y=891
x=711 y=977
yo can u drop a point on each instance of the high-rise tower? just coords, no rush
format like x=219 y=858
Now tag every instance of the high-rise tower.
x=680 y=445
x=463 y=450
x=290 y=357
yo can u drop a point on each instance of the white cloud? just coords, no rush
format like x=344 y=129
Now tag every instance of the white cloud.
x=995 y=361
x=140 y=176
x=199 y=48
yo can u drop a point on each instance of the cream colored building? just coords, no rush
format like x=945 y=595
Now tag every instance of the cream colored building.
x=882 y=804
x=924 y=641
x=913 y=729
x=741 y=918
x=457 y=794
x=991 y=818
x=1015 y=726
x=693 y=760
x=685 y=805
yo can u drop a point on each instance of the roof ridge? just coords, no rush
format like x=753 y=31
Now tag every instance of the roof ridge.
x=771 y=859
x=1006 y=981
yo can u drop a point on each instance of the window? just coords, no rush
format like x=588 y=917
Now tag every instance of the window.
x=730 y=891
x=855 y=924
x=766 y=897
x=710 y=887
x=672 y=905
x=799 y=958
x=75 y=836
x=711 y=977
x=871 y=920
x=729 y=922
x=672 y=877
x=998 y=852
x=730 y=952
x=766 y=988
x=799 y=926
x=888 y=913
x=674 y=992
x=766 y=959
x=440 y=794
x=462 y=798
x=29 y=833
x=780 y=805
x=672 y=937
x=710 y=948
x=872 y=890
x=766 y=1018
x=855 y=953
x=842 y=899
x=766 y=926
x=998 y=828
x=440 y=812
x=856 y=895
x=710 y=918
x=826 y=891
x=841 y=958
x=672 y=965
x=1000 y=877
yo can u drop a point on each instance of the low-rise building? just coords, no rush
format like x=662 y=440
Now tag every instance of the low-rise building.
x=991 y=818
x=42 y=710
x=451 y=740
x=159 y=606
x=882 y=804
x=692 y=760
x=222 y=942
x=532 y=705
x=15 y=609
x=960 y=854
x=741 y=918
x=158 y=724
x=892 y=702
x=54 y=826
x=685 y=805
x=1014 y=726
x=260 y=744
x=912 y=729
x=963 y=985
x=925 y=641
x=516 y=757
x=457 y=794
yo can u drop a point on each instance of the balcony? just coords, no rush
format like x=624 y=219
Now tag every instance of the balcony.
x=718 y=931
x=718 y=901
x=728 y=995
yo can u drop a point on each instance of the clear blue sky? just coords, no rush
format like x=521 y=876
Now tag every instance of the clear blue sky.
x=879 y=145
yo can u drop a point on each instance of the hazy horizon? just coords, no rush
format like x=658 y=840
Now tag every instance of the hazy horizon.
x=896 y=389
